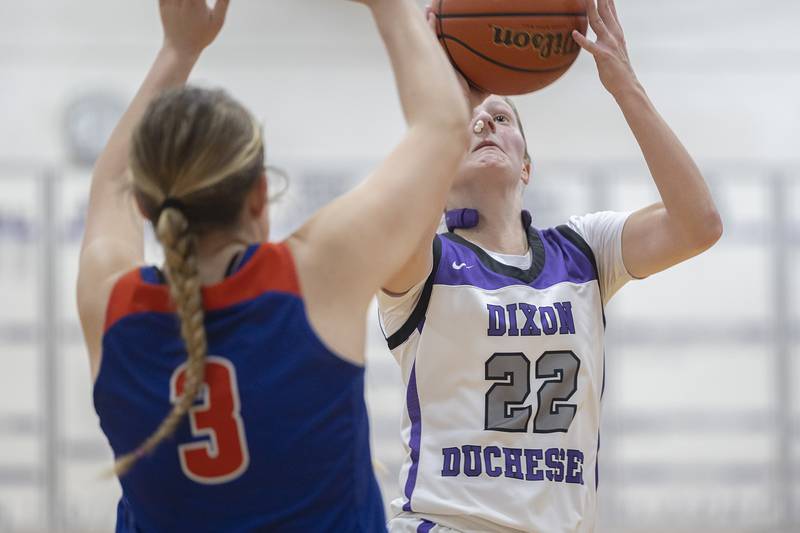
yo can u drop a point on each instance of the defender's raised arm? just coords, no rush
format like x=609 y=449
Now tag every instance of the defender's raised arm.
x=374 y=228
x=113 y=240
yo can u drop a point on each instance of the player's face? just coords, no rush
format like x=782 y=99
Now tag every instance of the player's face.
x=497 y=143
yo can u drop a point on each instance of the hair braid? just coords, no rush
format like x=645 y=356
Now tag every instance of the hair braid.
x=180 y=251
x=203 y=148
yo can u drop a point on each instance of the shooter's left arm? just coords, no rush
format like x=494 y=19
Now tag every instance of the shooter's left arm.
x=686 y=221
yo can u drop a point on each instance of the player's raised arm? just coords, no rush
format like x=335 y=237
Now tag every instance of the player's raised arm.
x=373 y=229
x=113 y=240
x=686 y=221
x=419 y=264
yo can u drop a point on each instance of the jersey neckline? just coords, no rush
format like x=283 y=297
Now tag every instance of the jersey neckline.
x=155 y=276
x=527 y=276
x=270 y=268
x=520 y=261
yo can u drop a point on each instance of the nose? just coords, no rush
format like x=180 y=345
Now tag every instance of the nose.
x=487 y=122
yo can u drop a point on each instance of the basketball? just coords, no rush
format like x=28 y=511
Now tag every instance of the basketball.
x=510 y=47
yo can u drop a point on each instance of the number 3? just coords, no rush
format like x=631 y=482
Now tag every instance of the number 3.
x=224 y=456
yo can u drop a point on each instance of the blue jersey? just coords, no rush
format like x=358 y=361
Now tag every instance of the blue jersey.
x=278 y=438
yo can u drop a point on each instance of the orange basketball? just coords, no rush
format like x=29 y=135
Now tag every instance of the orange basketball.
x=510 y=47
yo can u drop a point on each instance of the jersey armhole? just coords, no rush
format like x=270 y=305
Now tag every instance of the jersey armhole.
x=580 y=243
x=418 y=314
x=120 y=297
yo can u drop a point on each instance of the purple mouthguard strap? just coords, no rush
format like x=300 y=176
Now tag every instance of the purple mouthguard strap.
x=468 y=218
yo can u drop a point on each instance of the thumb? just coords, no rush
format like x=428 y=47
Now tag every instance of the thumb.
x=585 y=43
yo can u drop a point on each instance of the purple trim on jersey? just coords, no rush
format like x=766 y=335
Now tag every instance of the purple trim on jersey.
x=425 y=526
x=421 y=325
x=414 y=414
x=563 y=262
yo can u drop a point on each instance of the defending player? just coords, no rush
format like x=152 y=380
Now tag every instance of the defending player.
x=266 y=427
x=499 y=326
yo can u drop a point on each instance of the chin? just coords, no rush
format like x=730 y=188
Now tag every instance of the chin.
x=489 y=162
x=482 y=171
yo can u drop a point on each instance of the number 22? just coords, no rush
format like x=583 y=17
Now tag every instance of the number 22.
x=503 y=400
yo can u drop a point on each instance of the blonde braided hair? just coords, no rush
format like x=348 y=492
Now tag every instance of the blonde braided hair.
x=180 y=249
x=204 y=150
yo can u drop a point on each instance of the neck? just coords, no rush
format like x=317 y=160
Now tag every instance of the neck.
x=215 y=251
x=497 y=196
x=499 y=226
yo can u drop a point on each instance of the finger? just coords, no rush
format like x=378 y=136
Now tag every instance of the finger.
x=595 y=21
x=605 y=13
x=430 y=15
x=585 y=43
x=604 y=6
x=431 y=20
x=221 y=9
x=613 y=8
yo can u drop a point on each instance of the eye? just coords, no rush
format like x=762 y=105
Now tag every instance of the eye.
x=501 y=118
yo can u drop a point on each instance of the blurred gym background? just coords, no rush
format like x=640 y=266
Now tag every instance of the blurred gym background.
x=700 y=428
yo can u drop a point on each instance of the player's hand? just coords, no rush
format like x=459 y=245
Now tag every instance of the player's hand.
x=190 y=25
x=610 y=51
x=475 y=96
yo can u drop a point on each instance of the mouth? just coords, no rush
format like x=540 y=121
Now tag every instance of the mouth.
x=486 y=144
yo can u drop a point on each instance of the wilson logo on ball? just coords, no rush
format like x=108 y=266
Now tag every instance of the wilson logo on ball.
x=510 y=47
x=546 y=44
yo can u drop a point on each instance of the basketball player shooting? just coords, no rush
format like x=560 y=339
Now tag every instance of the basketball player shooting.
x=498 y=326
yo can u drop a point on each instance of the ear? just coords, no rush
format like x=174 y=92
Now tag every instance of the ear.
x=139 y=206
x=526 y=172
x=257 y=198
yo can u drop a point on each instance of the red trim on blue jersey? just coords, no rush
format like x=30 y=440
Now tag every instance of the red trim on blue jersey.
x=271 y=269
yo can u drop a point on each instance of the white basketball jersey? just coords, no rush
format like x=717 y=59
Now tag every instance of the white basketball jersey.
x=504 y=372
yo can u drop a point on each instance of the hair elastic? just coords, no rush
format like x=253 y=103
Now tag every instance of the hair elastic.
x=172 y=203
